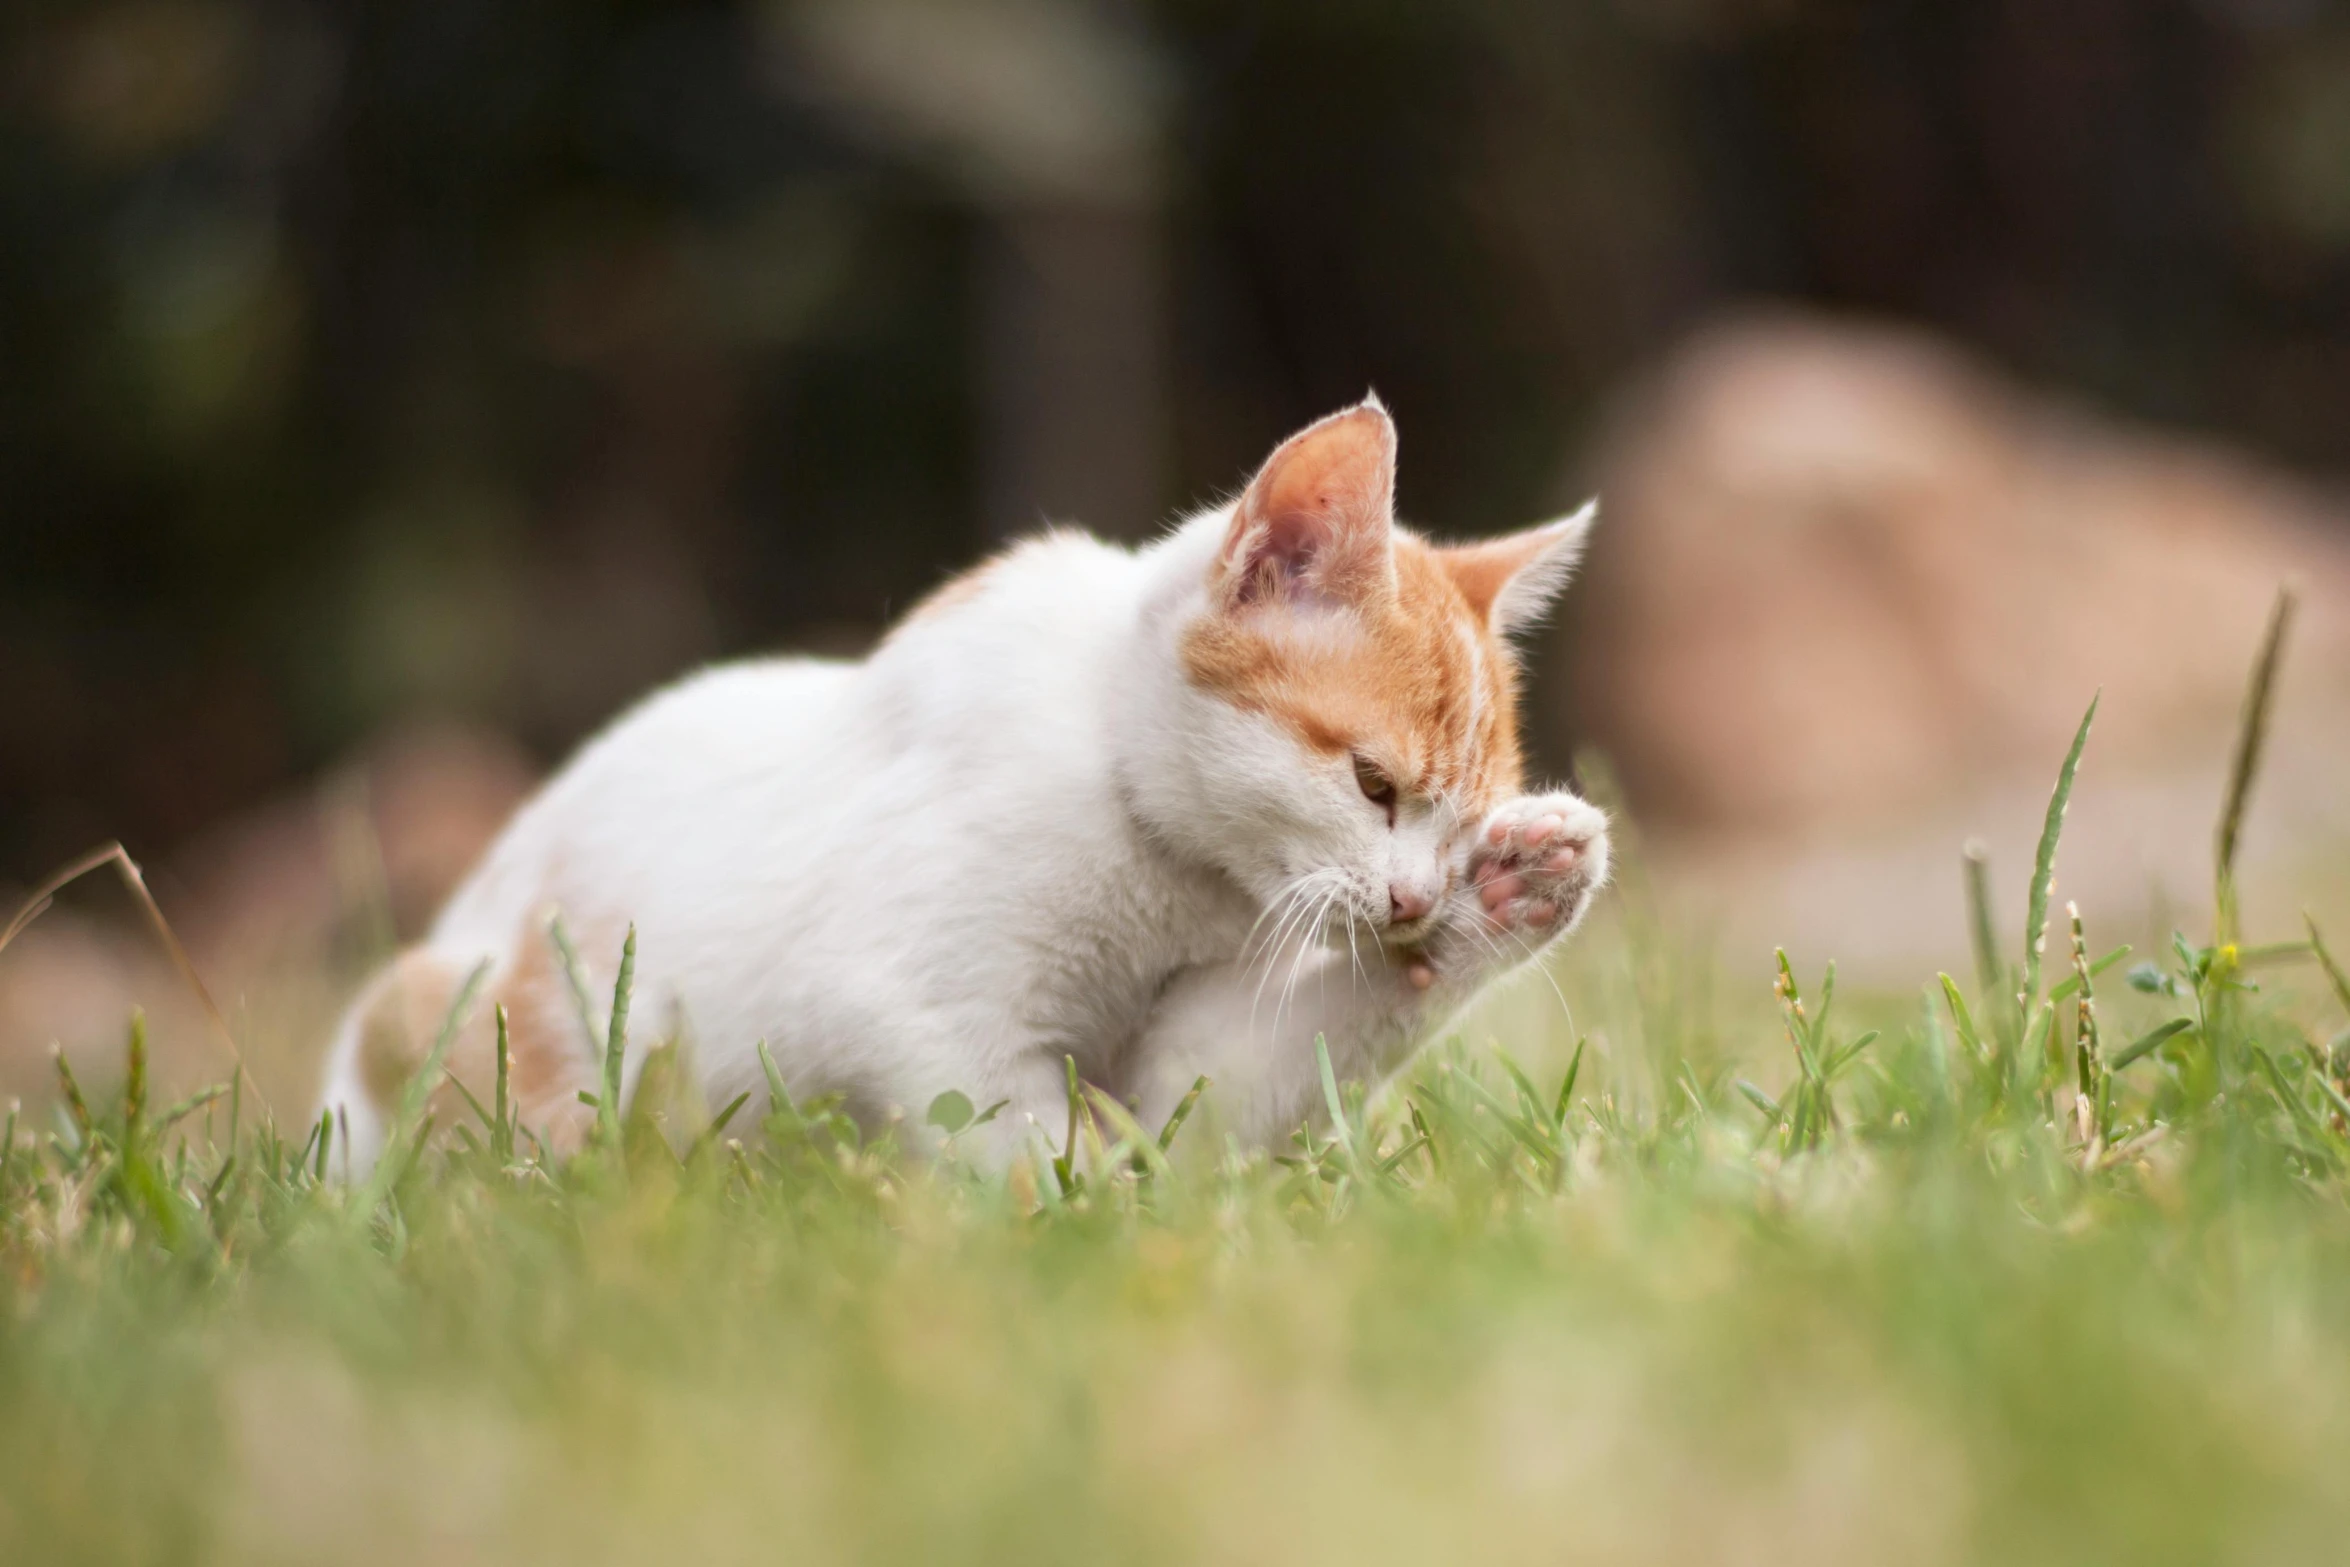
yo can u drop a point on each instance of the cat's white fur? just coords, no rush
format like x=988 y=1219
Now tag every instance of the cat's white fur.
x=1018 y=831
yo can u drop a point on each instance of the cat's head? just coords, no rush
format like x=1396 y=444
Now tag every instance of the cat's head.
x=1350 y=701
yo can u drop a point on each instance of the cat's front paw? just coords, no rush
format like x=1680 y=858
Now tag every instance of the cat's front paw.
x=1536 y=863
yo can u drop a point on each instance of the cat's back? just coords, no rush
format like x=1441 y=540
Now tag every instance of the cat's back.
x=1022 y=643
x=685 y=769
x=987 y=698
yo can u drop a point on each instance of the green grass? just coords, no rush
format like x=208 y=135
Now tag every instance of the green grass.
x=2051 y=1266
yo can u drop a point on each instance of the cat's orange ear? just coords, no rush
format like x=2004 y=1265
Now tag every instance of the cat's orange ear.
x=1316 y=523
x=1510 y=581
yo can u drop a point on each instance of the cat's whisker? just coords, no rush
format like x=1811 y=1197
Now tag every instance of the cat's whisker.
x=1354 y=955
x=1531 y=954
x=1279 y=905
x=1304 y=948
x=1449 y=801
x=1291 y=925
x=1289 y=907
x=1300 y=945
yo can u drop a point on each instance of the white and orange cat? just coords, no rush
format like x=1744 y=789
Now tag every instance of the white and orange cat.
x=1173 y=810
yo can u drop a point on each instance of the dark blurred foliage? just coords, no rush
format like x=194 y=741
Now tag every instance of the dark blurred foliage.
x=501 y=357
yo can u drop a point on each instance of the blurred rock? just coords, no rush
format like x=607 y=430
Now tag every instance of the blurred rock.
x=376 y=843
x=1852 y=590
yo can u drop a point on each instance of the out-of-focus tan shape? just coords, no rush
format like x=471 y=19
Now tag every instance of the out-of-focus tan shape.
x=277 y=908
x=1851 y=591
x=397 y=826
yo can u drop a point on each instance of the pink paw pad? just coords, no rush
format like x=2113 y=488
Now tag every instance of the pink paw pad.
x=1536 y=862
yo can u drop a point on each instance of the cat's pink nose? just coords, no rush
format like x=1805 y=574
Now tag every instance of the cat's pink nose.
x=1405 y=905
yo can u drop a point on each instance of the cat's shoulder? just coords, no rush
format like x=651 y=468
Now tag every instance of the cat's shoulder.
x=1064 y=564
x=721 y=706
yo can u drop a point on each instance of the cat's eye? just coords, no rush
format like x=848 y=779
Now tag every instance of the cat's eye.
x=1377 y=787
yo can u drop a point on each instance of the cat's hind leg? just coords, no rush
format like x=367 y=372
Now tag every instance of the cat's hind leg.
x=387 y=1037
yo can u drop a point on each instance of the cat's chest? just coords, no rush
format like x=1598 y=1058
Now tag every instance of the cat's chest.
x=1101 y=973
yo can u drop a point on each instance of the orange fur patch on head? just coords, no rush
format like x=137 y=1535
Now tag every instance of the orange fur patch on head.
x=1510 y=581
x=1357 y=636
x=1313 y=523
x=1415 y=680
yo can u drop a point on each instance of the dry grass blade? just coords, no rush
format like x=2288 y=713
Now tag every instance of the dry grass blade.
x=114 y=854
x=2251 y=738
x=2334 y=975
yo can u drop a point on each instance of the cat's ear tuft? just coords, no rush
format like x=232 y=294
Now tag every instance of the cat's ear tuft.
x=1317 y=521
x=1511 y=581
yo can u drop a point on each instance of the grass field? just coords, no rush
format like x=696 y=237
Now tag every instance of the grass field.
x=2046 y=1262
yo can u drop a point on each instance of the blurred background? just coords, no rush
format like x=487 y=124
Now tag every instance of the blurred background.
x=393 y=391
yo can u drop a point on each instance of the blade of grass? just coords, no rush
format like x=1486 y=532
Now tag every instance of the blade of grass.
x=1558 y=1115
x=2251 y=739
x=1065 y=1162
x=480 y=1111
x=2302 y=1115
x=2332 y=1096
x=134 y=1082
x=217 y=1185
x=608 y=1125
x=779 y=1100
x=1512 y=1122
x=718 y=1122
x=575 y=979
x=1850 y=1053
x=1800 y=1033
x=1962 y=1019
x=2064 y=988
x=1427 y=1135
x=76 y=1107
x=196 y=1101
x=1537 y=1110
x=1979 y=927
x=1183 y=1109
x=2334 y=974
x=1341 y=1128
x=2149 y=1042
x=1136 y=1142
x=409 y=1119
x=502 y=1118
x=1387 y=1166
x=2044 y=864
